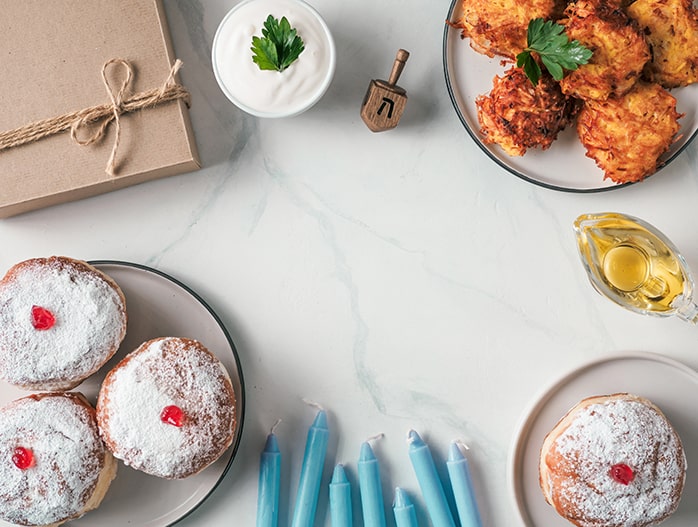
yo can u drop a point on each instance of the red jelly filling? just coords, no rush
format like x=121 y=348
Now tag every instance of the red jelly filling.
x=622 y=473
x=172 y=415
x=23 y=458
x=42 y=318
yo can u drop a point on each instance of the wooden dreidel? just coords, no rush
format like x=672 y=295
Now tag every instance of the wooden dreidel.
x=385 y=101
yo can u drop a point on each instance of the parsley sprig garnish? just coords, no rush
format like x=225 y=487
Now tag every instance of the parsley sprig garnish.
x=554 y=48
x=278 y=47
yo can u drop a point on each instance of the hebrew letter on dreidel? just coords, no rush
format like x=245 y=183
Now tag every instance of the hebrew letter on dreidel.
x=387 y=102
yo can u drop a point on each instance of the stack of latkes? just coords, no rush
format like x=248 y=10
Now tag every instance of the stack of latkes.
x=625 y=116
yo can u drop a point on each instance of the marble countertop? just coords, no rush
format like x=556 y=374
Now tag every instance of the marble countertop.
x=401 y=280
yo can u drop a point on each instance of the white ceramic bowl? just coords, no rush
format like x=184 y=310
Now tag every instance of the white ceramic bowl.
x=270 y=93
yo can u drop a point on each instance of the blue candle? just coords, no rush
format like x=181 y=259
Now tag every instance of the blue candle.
x=340 y=499
x=405 y=515
x=311 y=472
x=429 y=482
x=269 y=482
x=370 y=488
x=462 y=486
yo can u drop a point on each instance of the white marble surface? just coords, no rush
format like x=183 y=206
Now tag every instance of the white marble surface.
x=402 y=280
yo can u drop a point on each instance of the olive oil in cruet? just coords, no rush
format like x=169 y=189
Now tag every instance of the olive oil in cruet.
x=632 y=263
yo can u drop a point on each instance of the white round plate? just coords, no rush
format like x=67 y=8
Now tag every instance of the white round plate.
x=671 y=385
x=157 y=305
x=564 y=166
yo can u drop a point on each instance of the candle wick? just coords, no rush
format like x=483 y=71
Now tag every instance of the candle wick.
x=462 y=444
x=273 y=428
x=376 y=437
x=313 y=404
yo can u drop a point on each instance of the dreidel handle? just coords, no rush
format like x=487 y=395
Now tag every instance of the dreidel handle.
x=398 y=66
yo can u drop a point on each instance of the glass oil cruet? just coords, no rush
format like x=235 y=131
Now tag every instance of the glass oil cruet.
x=630 y=262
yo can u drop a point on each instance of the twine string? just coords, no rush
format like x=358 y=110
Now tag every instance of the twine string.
x=120 y=103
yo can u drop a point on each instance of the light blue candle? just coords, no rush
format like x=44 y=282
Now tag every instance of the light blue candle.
x=429 y=482
x=311 y=472
x=340 y=499
x=405 y=515
x=370 y=488
x=462 y=485
x=269 y=482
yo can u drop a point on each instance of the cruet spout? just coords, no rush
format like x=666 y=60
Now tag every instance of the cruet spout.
x=688 y=312
x=635 y=265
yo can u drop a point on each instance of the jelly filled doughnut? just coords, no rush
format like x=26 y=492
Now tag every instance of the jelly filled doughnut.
x=168 y=408
x=60 y=320
x=613 y=460
x=54 y=466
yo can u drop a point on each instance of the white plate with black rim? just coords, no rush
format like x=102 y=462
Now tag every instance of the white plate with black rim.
x=158 y=305
x=564 y=166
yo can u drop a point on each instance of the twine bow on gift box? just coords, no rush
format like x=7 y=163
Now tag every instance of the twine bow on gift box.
x=102 y=115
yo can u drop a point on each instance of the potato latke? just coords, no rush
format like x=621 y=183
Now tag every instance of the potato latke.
x=671 y=28
x=627 y=135
x=498 y=27
x=628 y=120
x=517 y=115
x=619 y=50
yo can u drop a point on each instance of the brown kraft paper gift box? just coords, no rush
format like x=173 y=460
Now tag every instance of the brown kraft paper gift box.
x=53 y=52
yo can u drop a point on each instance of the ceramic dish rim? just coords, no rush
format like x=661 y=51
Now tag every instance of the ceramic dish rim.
x=539 y=400
x=236 y=358
x=473 y=135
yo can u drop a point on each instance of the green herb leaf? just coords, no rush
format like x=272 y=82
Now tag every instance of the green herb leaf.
x=530 y=67
x=556 y=51
x=278 y=47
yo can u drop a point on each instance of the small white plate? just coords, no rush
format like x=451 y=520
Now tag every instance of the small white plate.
x=671 y=385
x=157 y=305
x=564 y=166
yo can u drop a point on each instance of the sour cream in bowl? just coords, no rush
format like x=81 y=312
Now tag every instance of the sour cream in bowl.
x=267 y=93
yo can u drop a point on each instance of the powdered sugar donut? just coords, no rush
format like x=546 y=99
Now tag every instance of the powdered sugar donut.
x=168 y=408
x=60 y=320
x=615 y=461
x=53 y=465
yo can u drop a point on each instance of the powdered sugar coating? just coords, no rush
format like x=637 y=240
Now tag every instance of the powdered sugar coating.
x=160 y=373
x=68 y=453
x=600 y=435
x=90 y=323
